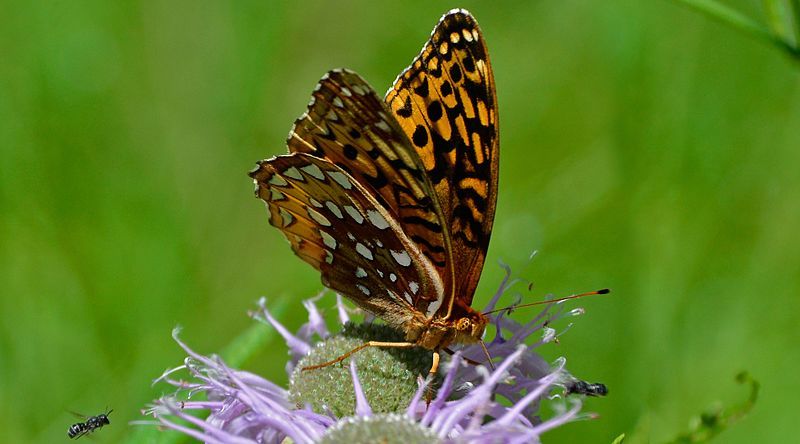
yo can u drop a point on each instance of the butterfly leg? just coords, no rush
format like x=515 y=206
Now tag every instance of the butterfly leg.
x=430 y=390
x=467 y=360
x=435 y=364
x=370 y=344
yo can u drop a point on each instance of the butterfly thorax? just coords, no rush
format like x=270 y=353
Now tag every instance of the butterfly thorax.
x=464 y=326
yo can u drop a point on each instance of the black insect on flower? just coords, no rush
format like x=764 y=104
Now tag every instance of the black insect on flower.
x=92 y=423
x=579 y=387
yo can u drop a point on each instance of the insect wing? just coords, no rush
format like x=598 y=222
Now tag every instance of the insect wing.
x=446 y=104
x=347 y=124
x=335 y=225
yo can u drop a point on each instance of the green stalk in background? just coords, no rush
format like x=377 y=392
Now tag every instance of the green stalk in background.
x=778 y=16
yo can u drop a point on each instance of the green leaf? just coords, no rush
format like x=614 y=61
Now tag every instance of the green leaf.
x=251 y=341
x=715 y=420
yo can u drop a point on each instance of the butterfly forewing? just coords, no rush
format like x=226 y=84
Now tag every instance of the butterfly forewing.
x=335 y=225
x=347 y=124
x=445 y=102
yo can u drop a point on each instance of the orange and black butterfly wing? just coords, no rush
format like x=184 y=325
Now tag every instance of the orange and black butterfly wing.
x=349 y=125
x=446 y=104
x=335 y=225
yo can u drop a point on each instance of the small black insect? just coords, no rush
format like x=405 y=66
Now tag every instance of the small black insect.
x=92 y=423
x=585 y=388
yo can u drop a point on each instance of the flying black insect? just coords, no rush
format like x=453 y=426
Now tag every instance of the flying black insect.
x=92 y=423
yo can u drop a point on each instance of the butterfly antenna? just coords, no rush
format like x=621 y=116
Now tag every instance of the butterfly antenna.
x=552 y=301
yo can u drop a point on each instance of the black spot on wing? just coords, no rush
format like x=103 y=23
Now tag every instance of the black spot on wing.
x=446 y=88
x=420 y=137
x=350 y=151
x=406 y=110
x=455 y=73
x=423 y=89
x=435 y=111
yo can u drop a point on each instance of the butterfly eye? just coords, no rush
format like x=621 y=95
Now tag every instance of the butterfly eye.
x=463 y=324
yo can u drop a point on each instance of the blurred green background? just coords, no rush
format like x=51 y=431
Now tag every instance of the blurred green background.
x=645 y=148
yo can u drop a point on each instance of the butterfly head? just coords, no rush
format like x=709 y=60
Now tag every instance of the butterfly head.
x=470 y=328
x=465 y=327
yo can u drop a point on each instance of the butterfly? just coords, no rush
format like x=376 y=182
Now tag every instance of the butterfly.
x=392 y=200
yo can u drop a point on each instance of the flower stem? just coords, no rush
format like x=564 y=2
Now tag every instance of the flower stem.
x=775 y=11
x=741 y=22
x=795 y=6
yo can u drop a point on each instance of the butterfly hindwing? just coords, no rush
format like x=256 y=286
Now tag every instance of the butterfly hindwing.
x=348 y=124
x=445 y=103
x=335 y=225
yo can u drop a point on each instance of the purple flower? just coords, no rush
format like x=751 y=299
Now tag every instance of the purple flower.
x=377 y=395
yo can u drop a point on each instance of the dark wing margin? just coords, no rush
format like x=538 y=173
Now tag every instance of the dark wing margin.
x=446 y=104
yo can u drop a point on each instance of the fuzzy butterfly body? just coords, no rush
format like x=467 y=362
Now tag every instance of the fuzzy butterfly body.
x=393 y=200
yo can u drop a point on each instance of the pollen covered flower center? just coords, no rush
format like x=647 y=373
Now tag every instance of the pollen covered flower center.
x=388 y=375
x=385 y=429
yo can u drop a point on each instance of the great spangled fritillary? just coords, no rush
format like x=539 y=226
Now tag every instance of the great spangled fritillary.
x=393 y=200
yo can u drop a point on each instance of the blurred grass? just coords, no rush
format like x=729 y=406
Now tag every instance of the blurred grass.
x=644 y=148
